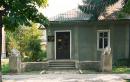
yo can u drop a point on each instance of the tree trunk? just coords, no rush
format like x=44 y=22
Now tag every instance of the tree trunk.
x=0 y=46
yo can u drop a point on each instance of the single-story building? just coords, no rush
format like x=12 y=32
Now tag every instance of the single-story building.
x=85 y=40
x=72 y=37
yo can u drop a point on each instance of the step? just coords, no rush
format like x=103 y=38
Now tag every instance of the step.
x=62 y=71
x=62 y=64
x=61 y=61
x=61 y=67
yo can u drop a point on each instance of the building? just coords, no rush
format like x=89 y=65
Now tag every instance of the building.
x=72 y=37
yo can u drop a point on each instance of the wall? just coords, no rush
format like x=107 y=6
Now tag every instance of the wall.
x=33 y=66
x=90 y=65
x=84 y=38
x=51 y=45
x=120 y=41
x=87 y=43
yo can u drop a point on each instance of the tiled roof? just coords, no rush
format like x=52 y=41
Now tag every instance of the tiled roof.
x=74 y=14
x=64 y=10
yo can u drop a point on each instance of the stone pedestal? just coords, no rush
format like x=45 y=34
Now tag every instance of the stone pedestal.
x=15 y=61
x=106 y=60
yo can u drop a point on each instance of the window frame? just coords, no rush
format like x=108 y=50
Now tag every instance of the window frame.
x=98 y=32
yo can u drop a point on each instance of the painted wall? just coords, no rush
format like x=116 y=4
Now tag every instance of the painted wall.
x=84 y=39
x=51 y=45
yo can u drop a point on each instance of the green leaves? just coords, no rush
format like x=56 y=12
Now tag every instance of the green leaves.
x=23 y=12
x=125 y=12
x=95 y=7
x=126 y=8
x=27 y=41
x=40 y=2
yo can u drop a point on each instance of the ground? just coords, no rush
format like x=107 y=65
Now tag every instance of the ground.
x=63 y=76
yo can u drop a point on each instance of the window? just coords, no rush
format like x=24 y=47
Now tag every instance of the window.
x=103 y=39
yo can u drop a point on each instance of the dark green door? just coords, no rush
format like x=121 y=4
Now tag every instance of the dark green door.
x=62 y=45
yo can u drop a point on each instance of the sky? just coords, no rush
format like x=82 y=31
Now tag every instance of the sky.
x=59 y=6
x=56 y=7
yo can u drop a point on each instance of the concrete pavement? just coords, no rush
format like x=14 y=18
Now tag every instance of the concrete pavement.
x=67 y=78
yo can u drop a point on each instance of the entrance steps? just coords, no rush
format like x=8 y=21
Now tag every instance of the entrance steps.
x=62 y=71
x=61 y=64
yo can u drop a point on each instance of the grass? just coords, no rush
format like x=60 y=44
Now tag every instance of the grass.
x=121 y=69
x=127 y=80
x=5 y=66
x=5 y=69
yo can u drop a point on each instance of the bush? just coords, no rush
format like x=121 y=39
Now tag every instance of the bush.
x=128 y=81
x=122 y=62
x=5 y=68
x=37 y=58
x=27 y=41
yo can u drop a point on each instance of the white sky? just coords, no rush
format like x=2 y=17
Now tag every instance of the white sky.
x=56 y=7
x=59 y=6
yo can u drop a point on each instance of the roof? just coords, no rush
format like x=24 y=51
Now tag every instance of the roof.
x=74 y=14
x=78 y=23
x=64 y=10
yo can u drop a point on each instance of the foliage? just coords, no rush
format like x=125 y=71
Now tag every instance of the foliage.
x=5 y=68
x=27 y=41
x=121 y=69
x=122 y=62
x=128 y=80
x=10 y=42
x=95 y=7
x=125 y=10
x=22 y=12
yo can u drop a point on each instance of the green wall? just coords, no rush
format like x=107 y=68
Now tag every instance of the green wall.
x=84 y=38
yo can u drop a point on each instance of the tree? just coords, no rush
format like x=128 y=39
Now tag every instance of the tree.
x=26 y=40
x=20 y=12
x=95 y=7
x=125 y=10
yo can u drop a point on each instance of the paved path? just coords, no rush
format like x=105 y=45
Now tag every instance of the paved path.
x=67 y=78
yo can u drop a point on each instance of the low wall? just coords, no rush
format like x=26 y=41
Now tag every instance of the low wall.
x=93 y=65
x=33 y=66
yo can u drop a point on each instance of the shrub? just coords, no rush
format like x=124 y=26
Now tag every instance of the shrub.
x=122 y=62
x=27 y=41
x=5 y=68
x=128 y=80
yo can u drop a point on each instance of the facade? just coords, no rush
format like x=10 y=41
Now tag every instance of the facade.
x=85 y=40
x=71 y=36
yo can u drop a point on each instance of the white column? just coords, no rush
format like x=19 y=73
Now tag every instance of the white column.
x=3 y=53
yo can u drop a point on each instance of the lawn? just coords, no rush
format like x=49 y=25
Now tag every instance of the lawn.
x=128 y=80
x=121 y=69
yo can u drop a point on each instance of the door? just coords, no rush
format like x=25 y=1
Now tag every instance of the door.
x=63 y=45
